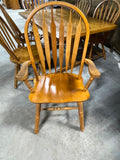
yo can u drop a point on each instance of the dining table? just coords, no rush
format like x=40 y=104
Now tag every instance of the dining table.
x=95 y=25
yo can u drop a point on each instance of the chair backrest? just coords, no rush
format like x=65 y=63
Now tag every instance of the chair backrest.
x=31 y=4
x=17 y=33
x=107 y=10
x=7 y=39
x=84 y=6
x=64 y=24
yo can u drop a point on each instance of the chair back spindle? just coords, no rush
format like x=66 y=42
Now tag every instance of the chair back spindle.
x=18 y=54
x=46 y=42
x=107 y=10
x=68 y=42
x=7 y=39
x=61 y=40
x=54 y=31
x=31 y=4
x=76 y=44
x=84 y=6
x=17 y=33
x=40 y=50
x=53 y=39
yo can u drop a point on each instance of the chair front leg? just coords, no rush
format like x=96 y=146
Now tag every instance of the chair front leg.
x=17 y=68
x=81 y=115
x=37 y=118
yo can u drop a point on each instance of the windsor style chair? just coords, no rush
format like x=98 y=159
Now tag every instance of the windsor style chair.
x=54 y=87
x=31 y=4
x=109 y=11
x=84 y=6
x=14 y=28
x=18 y=55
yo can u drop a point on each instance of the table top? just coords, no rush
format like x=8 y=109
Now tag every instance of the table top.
x=95 y=25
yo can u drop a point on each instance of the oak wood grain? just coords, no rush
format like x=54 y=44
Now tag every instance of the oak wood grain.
x=68 y=42
x=59 y=88
x=61 y=40
x=54 y=87
x=107 y=11
x=53 y=39
x=95 y=25
x=46 y=43
x=18 y=54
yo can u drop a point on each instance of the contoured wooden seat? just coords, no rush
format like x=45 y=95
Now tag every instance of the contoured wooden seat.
x=109 y=11
x=59 y=88
x=18 y=53
x=54 y=87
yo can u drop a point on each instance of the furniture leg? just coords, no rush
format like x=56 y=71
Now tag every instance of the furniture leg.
x=81 y=115
x=37 y=118
x=38 y=68
x=17 y=67
x=91 y=49
x=104 y=56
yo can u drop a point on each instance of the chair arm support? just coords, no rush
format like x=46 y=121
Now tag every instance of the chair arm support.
x=94 y=73
x=23 y=74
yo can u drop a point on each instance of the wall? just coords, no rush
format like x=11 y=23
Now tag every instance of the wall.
x=14 y=4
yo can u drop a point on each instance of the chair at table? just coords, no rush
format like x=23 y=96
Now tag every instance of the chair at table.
x=54 y=87
x=18 y=55
x=84 y=6
x=14 y=28
x=31 y=4
x=109 y=11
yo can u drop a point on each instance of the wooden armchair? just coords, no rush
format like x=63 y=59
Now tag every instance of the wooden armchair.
x=107 y=10
x=54 y=87
x=31 y=4
x=84 y=6
x=14 y=28
x=18 y=55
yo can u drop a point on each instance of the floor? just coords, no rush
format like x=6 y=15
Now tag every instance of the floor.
x=59 y=137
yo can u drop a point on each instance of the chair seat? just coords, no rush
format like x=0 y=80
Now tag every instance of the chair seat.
x=23 y=55
x=58 y=88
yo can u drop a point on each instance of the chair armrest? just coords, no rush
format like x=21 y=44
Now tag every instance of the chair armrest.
x=23 y=73
x=92 y=69
x=94 y=73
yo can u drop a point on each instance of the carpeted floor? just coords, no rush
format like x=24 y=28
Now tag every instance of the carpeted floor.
x=59 y=137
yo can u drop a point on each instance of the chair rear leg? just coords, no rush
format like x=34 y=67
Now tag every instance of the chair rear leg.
x=81 y=115
x=17 y=68
x=103 y=50
x=38 y=68
x=37 y=118
x=91 y=50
